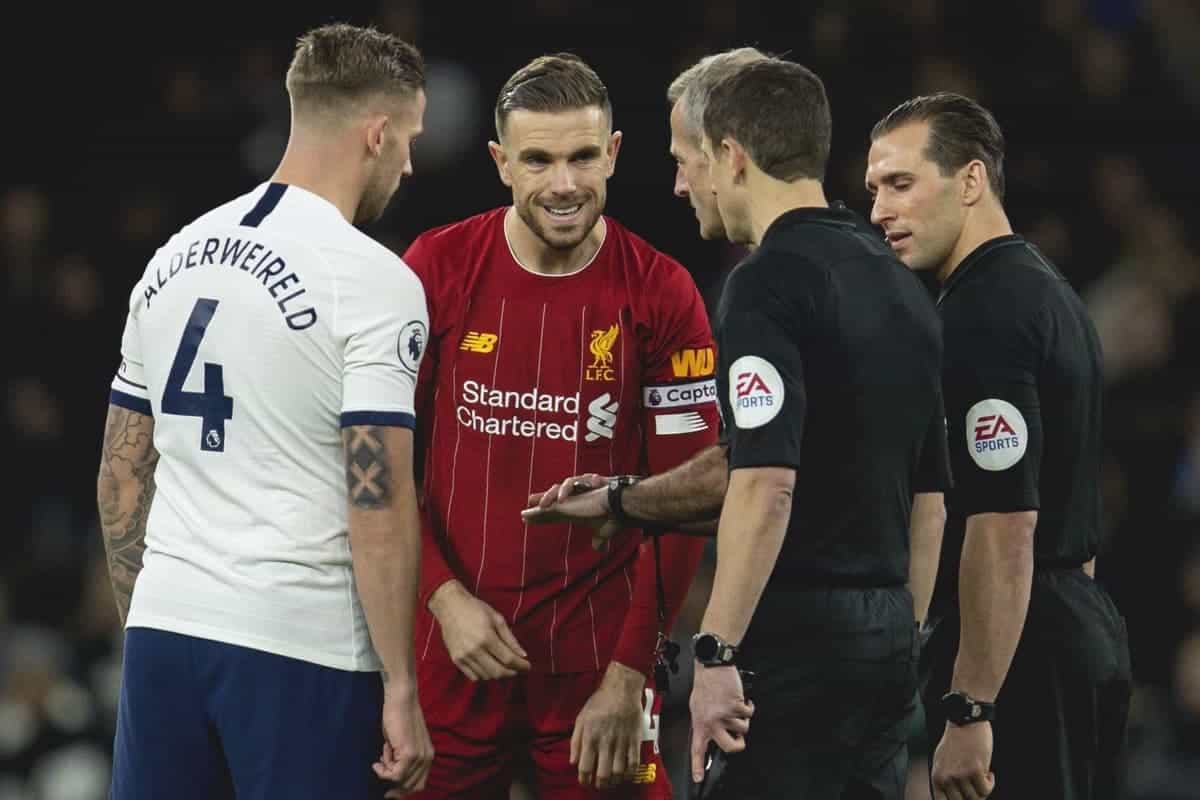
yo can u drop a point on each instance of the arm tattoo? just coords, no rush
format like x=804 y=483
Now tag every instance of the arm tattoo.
x=368 y=476
x=125 y=491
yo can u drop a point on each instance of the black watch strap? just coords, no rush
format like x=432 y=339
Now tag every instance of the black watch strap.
x=616 y=507
x=960 y=708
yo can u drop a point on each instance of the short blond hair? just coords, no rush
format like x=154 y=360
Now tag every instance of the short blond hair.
x=339 y=65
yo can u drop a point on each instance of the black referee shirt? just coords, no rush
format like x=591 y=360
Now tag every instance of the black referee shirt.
x=1023 y=383
x=830 y=363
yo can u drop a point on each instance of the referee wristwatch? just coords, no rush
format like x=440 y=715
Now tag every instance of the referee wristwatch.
x=713 y=651
x=960 y=708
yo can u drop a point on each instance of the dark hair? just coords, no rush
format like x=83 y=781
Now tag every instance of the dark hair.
x=558 y=82
x=338 y=64
x=960 y=131
x=778 y=111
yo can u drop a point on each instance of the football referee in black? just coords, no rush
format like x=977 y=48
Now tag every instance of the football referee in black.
x=834 y=459
x=829 y=382
x=1029 y=677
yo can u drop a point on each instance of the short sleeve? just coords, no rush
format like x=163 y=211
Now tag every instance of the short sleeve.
x=993 y=414
x=384 y=325
x=761 y=378
x=129 y=389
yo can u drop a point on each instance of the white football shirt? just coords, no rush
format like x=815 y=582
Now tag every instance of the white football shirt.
x=255 y=335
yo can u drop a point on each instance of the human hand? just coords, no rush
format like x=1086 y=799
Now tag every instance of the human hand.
x=477 y=636
x=407 y=749
x=720 y=713
x=581 y=499
x=607 y=741
x=962 y=763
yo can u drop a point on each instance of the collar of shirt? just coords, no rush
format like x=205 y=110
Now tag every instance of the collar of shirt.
x=311 y=201
x=836 y=214
x=977 y=255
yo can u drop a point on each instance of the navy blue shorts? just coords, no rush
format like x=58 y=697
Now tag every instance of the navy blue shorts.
x=207 y=720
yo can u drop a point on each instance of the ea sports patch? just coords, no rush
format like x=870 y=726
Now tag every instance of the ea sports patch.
x=996 y=434
x=757 y=391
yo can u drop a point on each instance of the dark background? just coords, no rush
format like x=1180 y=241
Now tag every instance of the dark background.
x=124 y=123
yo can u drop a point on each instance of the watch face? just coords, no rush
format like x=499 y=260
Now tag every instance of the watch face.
x=705 y=647
x=955 y=706
x=959 y=709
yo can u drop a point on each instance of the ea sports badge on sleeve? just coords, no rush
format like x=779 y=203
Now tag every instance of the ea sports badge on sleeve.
x=997 y=435
x=756 y=391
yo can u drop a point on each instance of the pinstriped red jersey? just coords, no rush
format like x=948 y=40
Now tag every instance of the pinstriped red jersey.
x=530 y=378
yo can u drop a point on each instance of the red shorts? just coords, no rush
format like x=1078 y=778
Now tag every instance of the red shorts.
x=482 y=732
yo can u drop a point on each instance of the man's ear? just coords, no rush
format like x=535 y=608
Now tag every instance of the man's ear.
x=739 y=159
x=975 y=182
x=502 y=164
x=376 y=133
x=614 y=147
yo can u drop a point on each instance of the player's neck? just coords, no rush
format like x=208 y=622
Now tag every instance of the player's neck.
x=316 y=170
x=535 y=255
x=769 y=199
x=985 y=222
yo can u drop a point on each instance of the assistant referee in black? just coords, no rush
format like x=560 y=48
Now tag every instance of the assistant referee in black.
x=829 y=382
x=1029 y=676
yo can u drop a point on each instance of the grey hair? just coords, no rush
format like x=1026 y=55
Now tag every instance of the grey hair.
x=695 y=84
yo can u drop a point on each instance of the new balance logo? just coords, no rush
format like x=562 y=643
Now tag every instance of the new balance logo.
x=990 y=426
x=602 y=418
x=476 y=342
x=646 y=773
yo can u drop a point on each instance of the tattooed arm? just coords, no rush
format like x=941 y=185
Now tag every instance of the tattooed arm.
x=124 y=492
x=385 y=542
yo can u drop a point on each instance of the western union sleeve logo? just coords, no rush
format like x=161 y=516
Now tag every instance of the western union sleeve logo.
x=602 y=357
x=693 y=363
x=476 y=342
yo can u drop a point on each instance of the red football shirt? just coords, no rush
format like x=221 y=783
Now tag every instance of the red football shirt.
x=530 y=378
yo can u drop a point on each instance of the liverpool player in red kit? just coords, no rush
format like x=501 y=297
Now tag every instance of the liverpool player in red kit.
x=560 y=344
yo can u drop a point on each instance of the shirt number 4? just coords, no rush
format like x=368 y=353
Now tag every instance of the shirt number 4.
x=212 y=405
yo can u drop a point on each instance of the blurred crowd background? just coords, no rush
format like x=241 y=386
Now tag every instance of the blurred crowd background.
x=131 y=126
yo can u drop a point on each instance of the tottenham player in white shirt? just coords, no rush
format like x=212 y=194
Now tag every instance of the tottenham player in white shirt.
x=256 y=488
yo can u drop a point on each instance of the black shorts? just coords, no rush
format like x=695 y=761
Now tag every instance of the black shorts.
x=834 y=689
x=1061 y=714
